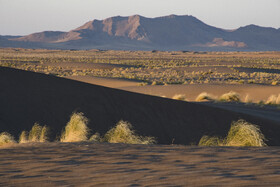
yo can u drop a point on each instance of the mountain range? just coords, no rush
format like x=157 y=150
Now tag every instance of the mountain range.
x=162 y=33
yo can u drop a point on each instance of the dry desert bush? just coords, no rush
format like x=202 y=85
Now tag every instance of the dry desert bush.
x=76 y=129
x=123 y=133
x=230 y=97
x=273 y=100
x=180 y=97
x=241 y=133
x=37 y=133
x=6 y=138
x=204 y=96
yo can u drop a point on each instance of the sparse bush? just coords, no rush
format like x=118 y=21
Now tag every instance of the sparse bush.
x=204 y=97
x=23 y=138
x=273 y=100
x=95 y=138
x=210 y=141
x=230 y=97
x=123 y=133
x=76 y=129
x=241 y=133
x=181 y=97
x=44 y=134
x=6 y=138
x=35 y=133
x=248 y=99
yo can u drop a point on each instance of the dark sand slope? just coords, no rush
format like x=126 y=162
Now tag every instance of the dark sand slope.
x=87 y=164
x=27 y=97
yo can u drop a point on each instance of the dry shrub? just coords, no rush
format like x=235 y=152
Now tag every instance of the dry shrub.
x=6 y=138
x=273 y=100
x=181 y=97
x=23 y=138
x=44 y=134
x=248 y=99
x=123 y=133
x=204 y=97
x=241 y=133
x=230 y=97
x=95 y=138
x=210 y=141
x=35 y=133
x=76 y=129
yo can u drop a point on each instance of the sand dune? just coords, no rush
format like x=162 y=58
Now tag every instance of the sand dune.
x=28 y=97
x=89 y=164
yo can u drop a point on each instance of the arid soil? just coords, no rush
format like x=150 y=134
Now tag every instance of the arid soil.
x=90 y=164
x=255 y=92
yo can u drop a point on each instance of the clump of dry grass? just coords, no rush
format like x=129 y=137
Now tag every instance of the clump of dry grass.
x=241 y=133
x=37 y=133
x=248 y=99
x=204 y=96
x=76 y=129
x=6 y=138
x=123 y=133
x=23 y=138
x=95 y=138
x=230 y=97
x=44 y=134
x=210 y=141
x=273 y=100
x=180 y=97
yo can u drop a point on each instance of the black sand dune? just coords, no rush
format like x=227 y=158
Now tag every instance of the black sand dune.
x=28 y=97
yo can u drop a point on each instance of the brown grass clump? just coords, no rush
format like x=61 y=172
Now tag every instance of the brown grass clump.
x=35 y=133
x=180 y=97
x=230 y=97
x=123 y=133
x=273 y=100
x=204 y=97
x=95 y=138
x=6 y=138
x=76 y=129
x=210 y=141
x=23 y=138
x=241 y=133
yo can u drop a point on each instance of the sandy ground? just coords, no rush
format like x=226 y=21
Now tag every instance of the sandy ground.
x=89 y=164
x=254 y=92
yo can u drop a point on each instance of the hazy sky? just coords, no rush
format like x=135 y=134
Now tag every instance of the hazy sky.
x=21 y=17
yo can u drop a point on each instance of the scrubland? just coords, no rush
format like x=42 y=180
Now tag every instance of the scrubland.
x=152 y=68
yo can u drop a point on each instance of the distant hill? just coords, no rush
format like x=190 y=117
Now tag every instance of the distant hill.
x=162 y=33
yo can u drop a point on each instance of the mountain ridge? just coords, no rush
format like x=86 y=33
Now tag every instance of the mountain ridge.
x=136 y=32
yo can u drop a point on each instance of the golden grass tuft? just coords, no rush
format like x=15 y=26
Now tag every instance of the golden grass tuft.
x=204 y=96
x=210 y=141
x=241 y=133
x=273 y=100
x=23 y=138
x=123 y=133
x=76 y=129
x=44 y=134
x=35 y=133
x=230 y=97
x=6 y=138
x=180 y=97
x=95 y=138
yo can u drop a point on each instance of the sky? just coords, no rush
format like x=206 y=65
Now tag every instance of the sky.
x=22 y=17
